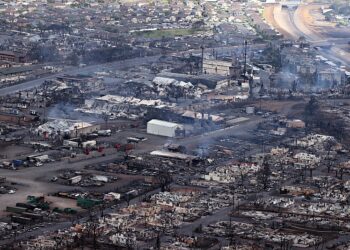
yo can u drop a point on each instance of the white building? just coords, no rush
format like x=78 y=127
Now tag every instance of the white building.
x=164 y=128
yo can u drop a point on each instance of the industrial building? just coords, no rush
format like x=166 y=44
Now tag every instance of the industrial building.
x=72 y=128
x=164 y=128
x=11 y=56
x=217 y=67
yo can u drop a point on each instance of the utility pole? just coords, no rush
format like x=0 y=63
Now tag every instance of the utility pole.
x=202 y=60
x=233 y=199
x=245 y=57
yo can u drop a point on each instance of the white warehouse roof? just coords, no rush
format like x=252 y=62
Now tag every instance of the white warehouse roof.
x=163 y=128
x=163 y=123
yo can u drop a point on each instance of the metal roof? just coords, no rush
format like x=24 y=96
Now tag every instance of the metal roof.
x=179 y=156
x=163 y=123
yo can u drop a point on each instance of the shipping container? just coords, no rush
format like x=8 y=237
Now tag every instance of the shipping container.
x=17 y=210
x=26 y=205
x=69 y=210
x=75 y=179
x=32 y=215
x=21 y=220
x=44 y=205
x=107 y=132
x=87 y=203
x=34 y=199
x=88 y=144
x=57 y=210
x=17 y=163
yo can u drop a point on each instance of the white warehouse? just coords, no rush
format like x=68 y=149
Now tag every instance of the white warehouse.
x=164 y=128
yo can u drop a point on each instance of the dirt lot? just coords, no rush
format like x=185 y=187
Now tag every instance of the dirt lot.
x=62 y=202
x=13 y=151
x=288 y=108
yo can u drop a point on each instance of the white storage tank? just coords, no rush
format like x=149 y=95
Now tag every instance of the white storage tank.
x=164 y=128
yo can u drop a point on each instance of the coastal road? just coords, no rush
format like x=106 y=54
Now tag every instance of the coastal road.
x=302 y=20
x=297 y=23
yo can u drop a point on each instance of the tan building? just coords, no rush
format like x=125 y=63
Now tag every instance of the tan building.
x=11 y=57
x=217 y=67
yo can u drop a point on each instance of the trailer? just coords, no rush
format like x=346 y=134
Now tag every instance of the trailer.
x=63 y=195
x=57 y=210
x=26 y=205
x=44 y=205
x=33 y=199
x=88 y=144
x=38 y=202
x=75 y=179
x=87 y=203
x=69 y=210
x=177 y=148
x=32 y=216
x=106 y=132
x=135 y=139
x=21 y=220
x=17 y=210
x=17 y=163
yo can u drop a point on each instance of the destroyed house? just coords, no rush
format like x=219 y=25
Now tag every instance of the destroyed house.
x=208 y=80
x=15 y=71
x=11 y=57
x=84 y=83
x=16 y=118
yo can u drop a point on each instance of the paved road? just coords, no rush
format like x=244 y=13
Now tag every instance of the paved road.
x=293 y=25
x=285 y=21
x=335 y=53
x=299 y=22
